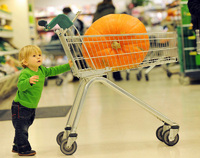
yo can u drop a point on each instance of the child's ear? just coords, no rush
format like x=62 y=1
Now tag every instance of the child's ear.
x=25 y=62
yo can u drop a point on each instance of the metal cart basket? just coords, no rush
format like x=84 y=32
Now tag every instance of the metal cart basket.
x=92 y=57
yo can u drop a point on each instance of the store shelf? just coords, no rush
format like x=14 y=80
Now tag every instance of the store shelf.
x=8 y=84
x=2 y=53
x=190 y=48
x=184 y=2
x=187 y=25
x=156 y=10
x=193 y=73
x=6 y=33
x=7 y=77
x=173 y=4
x=6 y=18
x=5 y=15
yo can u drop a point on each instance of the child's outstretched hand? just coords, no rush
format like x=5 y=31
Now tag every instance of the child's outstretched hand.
x=33 y=79
x=70 y=63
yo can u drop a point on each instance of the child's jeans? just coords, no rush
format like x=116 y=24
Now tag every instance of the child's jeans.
x=22 y=118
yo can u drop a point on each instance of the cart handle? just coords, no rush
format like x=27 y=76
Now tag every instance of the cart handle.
x=62 y=20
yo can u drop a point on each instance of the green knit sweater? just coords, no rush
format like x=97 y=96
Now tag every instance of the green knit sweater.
x=28 y=94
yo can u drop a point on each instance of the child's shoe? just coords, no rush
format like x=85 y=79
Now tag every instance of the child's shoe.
x=15 y=149
x=27 y=153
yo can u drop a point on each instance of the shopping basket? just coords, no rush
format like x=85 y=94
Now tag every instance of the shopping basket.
x=90 y=66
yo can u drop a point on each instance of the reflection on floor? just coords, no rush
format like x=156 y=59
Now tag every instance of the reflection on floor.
x=41 y=112
x=112 y=125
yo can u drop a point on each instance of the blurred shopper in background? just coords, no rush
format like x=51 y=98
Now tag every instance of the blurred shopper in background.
x=194 y=8
x=78 y=23
x=104 y=8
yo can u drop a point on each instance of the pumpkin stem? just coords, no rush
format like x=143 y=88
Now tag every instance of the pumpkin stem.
x=115 y=45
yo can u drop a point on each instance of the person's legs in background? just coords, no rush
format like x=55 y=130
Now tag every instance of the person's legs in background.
x=117 y=76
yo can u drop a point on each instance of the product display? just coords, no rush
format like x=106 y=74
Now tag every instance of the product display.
x=4 y=7
x=9 y=65
x=187 y=44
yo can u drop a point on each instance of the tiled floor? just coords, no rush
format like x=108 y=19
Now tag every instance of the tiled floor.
x=112 y=125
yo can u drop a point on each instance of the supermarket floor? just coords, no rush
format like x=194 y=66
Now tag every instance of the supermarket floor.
x=111 y=125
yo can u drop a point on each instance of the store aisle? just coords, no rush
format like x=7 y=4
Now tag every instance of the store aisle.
x=114 y=126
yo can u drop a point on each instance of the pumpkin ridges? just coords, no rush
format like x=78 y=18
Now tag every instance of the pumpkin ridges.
x=108 y=28
x=125 y=58
x=92 y=46
x=99 y=24
x=132 y=56
x=138 y=28
x=105 y=58
x=133 y=27
x=108 y=24
x=137 y=40
x=142 y=45
x=119 y=25
x=113 y=26
x=128 y=54
x=128 y=26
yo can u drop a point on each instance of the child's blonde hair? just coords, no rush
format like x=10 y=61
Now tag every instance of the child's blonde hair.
x=26 y=51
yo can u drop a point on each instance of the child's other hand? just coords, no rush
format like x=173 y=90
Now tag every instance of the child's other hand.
x=70 y=63
x=33 y=79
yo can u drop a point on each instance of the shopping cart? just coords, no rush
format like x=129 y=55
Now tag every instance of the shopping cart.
x=90 y=68
x=155 y=42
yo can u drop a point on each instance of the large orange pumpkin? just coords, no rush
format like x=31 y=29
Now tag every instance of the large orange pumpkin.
x=115 y=49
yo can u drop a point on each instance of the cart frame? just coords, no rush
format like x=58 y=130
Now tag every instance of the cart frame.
x=167 y=133
x=69 y=135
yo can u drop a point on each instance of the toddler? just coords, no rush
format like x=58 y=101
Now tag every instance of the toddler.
x=30 y=85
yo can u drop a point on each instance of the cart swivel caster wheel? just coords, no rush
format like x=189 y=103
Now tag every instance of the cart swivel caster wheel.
x=167 y=141
x=169 y=74
x=59 y=81
x=59 y=138
x=138 y=76
x=68 y=151
x=127 y=76
x=159 y=133
x=146 y=77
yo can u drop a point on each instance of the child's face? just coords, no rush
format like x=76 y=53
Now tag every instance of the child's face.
x=34 y=61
